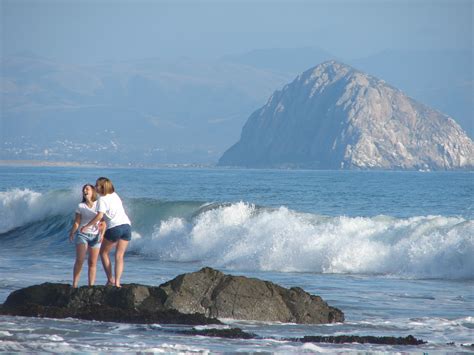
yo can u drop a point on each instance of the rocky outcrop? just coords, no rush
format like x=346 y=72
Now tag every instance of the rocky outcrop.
x=367 y=339
x=129 y=304
x=194 y=298
x=237 y=333
x=215 y=294
x=333 y=116
x=230 y=333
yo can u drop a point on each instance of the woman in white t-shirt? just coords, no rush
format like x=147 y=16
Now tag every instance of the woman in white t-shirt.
x=119 y=231
x=88 y=239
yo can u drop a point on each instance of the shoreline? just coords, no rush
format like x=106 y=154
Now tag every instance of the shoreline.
x=72 y=164
x=45 y=163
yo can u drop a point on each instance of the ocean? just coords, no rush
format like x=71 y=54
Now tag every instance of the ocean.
x=392 y=250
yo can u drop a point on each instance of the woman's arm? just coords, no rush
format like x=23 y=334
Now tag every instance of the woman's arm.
x=102 y=229
x=75 y=226
x=94 y=221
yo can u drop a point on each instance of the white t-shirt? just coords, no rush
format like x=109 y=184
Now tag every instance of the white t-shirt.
x=112 y=207
x=87 y=214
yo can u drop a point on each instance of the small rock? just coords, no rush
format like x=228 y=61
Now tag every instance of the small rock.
x=232 y=333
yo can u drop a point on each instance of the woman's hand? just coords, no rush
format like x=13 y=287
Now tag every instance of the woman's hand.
x=92 y=222
x=75 y=226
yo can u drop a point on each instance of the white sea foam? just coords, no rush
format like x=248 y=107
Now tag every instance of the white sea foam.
x=245 y=237
x=21 y=206
x=313 y=348
x=179 y=348
x=211 y=326
x=53 y=337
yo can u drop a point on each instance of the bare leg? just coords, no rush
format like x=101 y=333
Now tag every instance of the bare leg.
x=119 y=253
x=93 y=256
x=105 y=249
x=81 y=250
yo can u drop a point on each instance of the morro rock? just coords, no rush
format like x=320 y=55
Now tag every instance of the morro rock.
x=194 y=298
x=334 y=116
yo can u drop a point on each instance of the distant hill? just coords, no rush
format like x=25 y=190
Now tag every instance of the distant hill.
x=149 y=110
x=333 y=116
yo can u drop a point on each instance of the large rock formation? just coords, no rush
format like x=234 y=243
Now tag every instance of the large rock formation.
x=195 y=298
x=129 y=304
x=214 y=294
x=333 y=116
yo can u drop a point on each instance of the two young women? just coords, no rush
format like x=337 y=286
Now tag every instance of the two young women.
x=96 y=238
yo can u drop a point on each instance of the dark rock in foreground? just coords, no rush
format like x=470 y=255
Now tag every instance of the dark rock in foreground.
x=237 y=333
x=129 y=304
x=215 y=294
x=194 y=298
x=341 y=339
x=231 y=333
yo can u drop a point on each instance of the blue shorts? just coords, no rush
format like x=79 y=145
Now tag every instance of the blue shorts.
x=92 y=240
x=123 y=231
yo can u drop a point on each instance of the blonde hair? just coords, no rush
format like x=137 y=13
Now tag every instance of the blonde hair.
x=94 y=193
x=104 y=186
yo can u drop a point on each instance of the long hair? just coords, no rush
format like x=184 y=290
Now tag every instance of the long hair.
x=104 y=186
x=94 y=193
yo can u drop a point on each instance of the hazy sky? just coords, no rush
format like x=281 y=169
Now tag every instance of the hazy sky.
x=89 y=31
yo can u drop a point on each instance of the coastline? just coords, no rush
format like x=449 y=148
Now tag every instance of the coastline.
x=45 y=163
x=68 y=164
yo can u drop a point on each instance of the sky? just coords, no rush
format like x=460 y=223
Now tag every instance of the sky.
x=85 y=31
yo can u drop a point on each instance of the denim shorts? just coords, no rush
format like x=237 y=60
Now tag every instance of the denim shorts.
x=92 y=240
x=123 y=231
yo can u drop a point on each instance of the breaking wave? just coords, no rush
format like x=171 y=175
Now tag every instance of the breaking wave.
x=19 y=207
x=248 y=237
x=243 y=236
